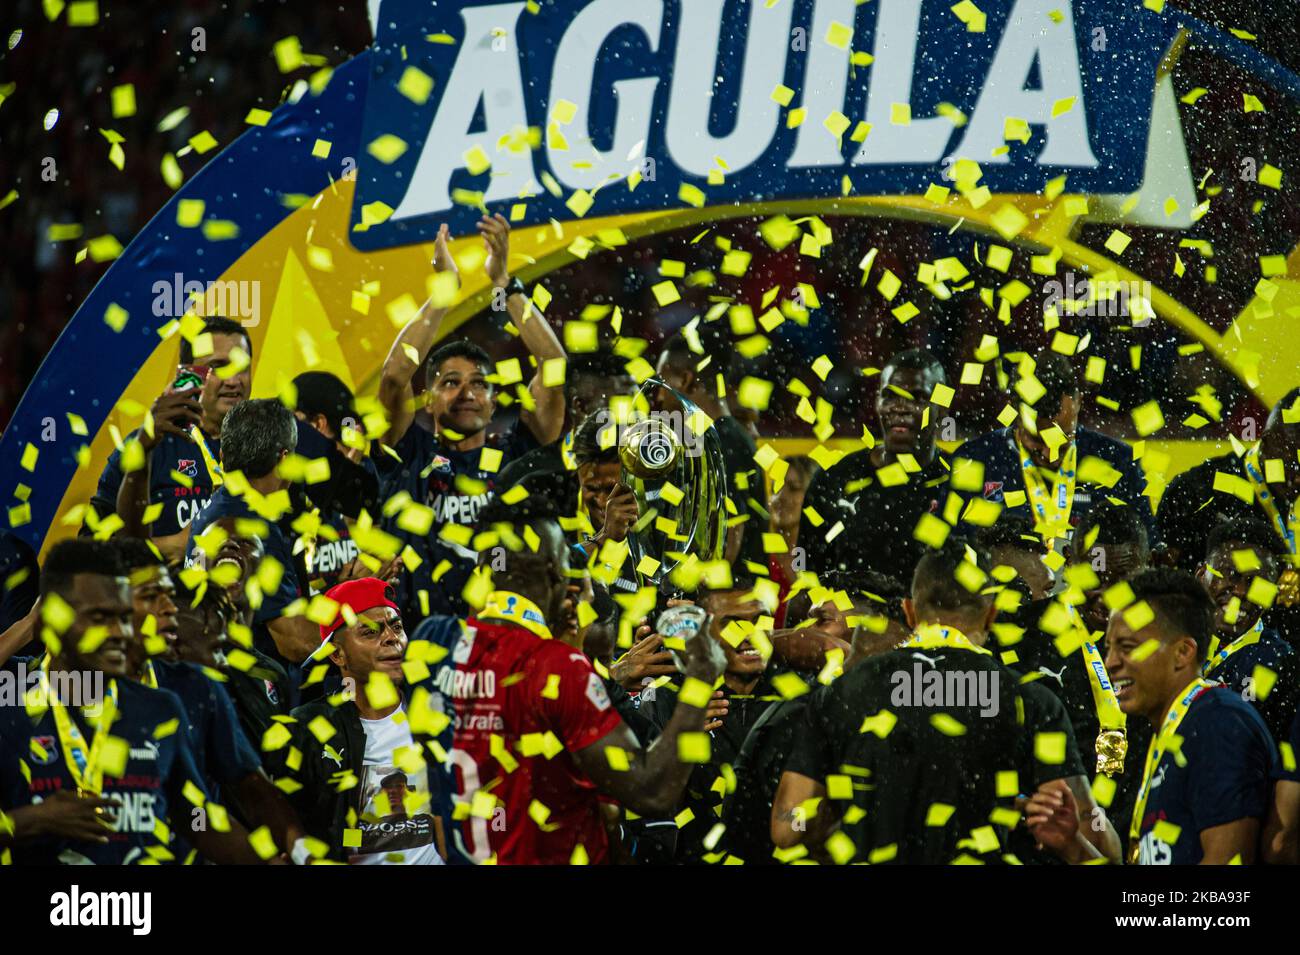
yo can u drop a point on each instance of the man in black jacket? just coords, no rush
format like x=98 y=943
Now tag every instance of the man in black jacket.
x=341 y=749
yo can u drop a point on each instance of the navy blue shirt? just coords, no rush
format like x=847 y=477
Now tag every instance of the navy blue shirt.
x=179 y=503
x=1228 y=762
x=428 y=472
x=997 y=452
x=150 y=790
x=222 y=753
x=1278 y=708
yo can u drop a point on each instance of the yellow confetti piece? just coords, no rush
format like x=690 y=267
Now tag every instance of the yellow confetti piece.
x=782 y=95
x=257 y=117
x=288 y=54
x=694 y=748
x=1148 y=418
x=1251 y=103
x=189 y=213
x=666 y=293
x=415 y=85
x=123 y=100
x=839 y=35
x=387 y=148
x=1118 y=242
x=83 y=13
x=477 y=161
x=948 y=725
x=691 y=195
x=1049 y=748
x=115 y=317
x=1270 y=176
x=1009 y=221
x=203 y=142
x=900 y=114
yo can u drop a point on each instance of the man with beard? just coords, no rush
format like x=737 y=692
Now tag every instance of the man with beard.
x=227 y=762
x=69 y=798
x=879 y=494
x=1205 y=786
x=1242 y=563
x=182 y=449
x=454 y=468
x=1047 y=465
x=930 y=777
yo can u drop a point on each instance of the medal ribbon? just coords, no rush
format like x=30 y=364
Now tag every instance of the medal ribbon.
x=929 y=636
x=518 y=609
x=1156 y=751
x=83 y=765
x=1248 y=638
x=1286 y=528
x=1051 y=507
x=209 y=459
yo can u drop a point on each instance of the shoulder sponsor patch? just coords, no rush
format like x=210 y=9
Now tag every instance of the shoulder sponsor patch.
x=596 y=692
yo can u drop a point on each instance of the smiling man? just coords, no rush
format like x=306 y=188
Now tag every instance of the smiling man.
x=180 y=457
x=880 y=494
x=1242 y=564
x=454 y=468
x=69 y=802
x=1205 y=804
x=374 y=736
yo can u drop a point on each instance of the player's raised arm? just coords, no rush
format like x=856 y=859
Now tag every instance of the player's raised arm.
x=409 y=351
x=546 y=419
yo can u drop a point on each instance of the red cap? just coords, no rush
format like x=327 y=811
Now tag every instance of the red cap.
x=359 y=595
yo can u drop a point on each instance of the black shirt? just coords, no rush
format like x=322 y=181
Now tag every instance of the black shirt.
x=747 y=812
x=884 y=514
x=918 y=784
x=1278 y=706
x=702 y=796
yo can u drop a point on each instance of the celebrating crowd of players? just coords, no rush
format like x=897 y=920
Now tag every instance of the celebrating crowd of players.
x=382 y=631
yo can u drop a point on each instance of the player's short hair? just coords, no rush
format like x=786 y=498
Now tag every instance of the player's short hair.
x=1011 y=530
x=323 y=393
x=1117 y=525
x=137 y=554
x=78 y=555
x=216 y=325
x=586 y=441
x=1179 y=602
x=255 y=435
x=803 y=466
x=461 y=348
x=1056 y=373
x=715 y=344
x=916 y=359
x=1249 y=531
x=935 y=586
x=601 y=367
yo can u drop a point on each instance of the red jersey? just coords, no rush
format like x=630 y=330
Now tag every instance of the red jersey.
x=524 y=705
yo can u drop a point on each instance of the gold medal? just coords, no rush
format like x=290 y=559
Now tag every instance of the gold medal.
x=1288 y=587
x=1112 y=747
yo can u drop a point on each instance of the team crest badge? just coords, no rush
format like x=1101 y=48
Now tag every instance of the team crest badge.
x=188 y=466
x=44 y=750
x=992 y=490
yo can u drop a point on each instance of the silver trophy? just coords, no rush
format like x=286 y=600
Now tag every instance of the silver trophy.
x=659 y=448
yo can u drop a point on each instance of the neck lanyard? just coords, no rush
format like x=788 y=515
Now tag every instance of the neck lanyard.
x=1288 y=585
x=1216 y=658
x=1050 y=506
x=1111 y=745
x=150 y=677
x=83 y=763
x=929 y=636
x=209 y=459
x=1156 y=751
x=518 y=609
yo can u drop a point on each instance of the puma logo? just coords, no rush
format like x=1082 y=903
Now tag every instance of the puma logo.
x=1058 y=676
